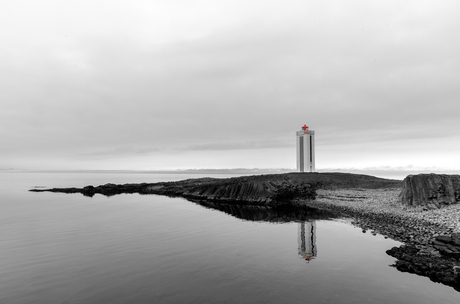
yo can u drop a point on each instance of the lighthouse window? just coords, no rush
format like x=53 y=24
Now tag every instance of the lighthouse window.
x=301 y=154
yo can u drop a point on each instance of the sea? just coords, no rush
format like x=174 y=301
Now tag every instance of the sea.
x=132 y=248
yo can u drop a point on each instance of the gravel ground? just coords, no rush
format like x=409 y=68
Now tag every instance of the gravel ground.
x=386 y=202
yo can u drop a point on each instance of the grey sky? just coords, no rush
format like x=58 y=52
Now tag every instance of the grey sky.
x=224 y=84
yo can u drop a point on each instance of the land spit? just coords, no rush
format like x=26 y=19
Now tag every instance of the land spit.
x=431 y=237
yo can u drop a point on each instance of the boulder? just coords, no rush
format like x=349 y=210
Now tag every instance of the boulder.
x=447 y=245
x=457 y=273
x=430 y=190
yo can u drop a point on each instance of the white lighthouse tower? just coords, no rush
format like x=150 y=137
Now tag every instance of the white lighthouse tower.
x=305 y=150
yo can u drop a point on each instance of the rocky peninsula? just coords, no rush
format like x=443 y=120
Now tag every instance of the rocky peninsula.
x=422 y=212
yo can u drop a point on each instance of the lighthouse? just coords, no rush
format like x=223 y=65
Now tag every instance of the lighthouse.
x=305 y=150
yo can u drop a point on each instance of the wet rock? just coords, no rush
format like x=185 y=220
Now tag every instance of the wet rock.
x=447 y=245
x=437 y=269
x=443 y=238
x=455 y=239
x=457 y=274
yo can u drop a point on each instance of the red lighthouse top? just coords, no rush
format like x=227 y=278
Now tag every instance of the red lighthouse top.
x=305 y=129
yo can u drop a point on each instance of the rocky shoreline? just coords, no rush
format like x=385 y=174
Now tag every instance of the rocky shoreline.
x=262 y=190
x=431 y=237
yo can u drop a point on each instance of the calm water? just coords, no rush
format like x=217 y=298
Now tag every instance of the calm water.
x=67 y=248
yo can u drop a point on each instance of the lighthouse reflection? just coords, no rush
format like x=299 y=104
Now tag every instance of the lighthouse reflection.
x=307 y=240
x=304 y=216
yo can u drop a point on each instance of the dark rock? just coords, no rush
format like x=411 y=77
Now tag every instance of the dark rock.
x=447 y=246
x=452 y=248
x=438 y=270
x=431 y=190
x=444 y=238
x=273 y=189
x=457 y=274
x=438 y=243
x=455 y=239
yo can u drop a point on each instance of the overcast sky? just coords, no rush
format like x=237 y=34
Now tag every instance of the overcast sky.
x=226 y=84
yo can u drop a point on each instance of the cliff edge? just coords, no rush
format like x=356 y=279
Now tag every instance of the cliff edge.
x=431 y=191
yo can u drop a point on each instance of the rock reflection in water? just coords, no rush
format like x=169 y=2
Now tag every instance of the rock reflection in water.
x=307 y=240
x=277 y=214
x=305 y=216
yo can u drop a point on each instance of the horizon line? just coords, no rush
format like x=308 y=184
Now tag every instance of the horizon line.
x=195 y=170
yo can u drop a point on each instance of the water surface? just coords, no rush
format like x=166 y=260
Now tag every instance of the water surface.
x=67 y=248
